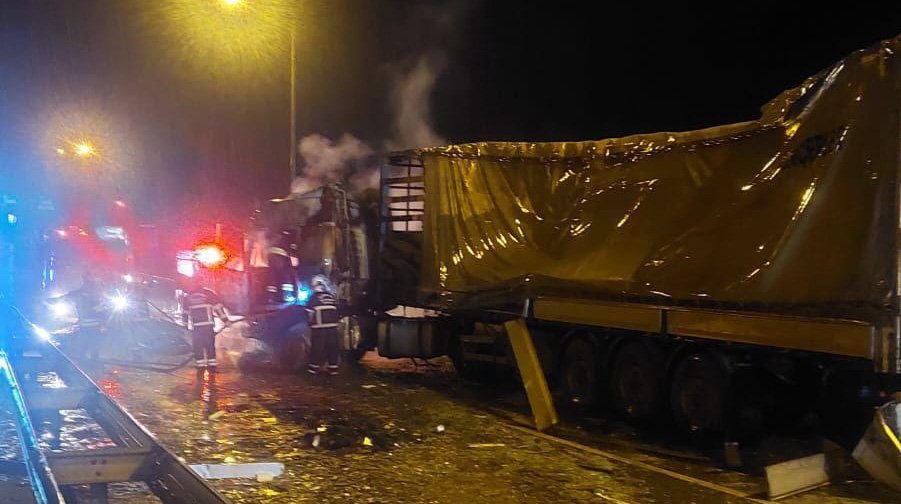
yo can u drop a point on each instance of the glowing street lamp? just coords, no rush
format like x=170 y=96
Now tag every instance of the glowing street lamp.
x=84 y=149
x=293 y=63
x=220 y=34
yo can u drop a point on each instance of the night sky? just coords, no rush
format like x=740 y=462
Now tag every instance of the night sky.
x=187 y=136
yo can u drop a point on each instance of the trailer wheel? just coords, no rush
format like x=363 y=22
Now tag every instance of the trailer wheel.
x=699 y=396
x=637 y=382
x=579 y=374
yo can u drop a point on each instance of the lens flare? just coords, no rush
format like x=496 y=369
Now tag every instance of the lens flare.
x=211 y=256
x=61 y=309
x=119 y=302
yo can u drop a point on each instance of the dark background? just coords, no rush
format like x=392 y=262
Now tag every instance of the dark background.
x=509 y=71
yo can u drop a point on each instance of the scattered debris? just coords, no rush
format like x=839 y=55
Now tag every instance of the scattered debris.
x=607 y=498
x=262 y=471
x=270 y=420
x=367 y=441
x=486 y=445
x=439 y=429
x=368 y=386
x=879 y=451
x=217 y=415
x=795 y=476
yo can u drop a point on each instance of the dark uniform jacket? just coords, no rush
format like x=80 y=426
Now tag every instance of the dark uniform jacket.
x=323 y=312
x=201 y=308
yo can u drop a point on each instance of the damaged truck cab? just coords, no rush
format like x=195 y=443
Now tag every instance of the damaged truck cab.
x=292 y=239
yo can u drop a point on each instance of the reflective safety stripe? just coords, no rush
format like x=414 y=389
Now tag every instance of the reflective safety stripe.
x=211 y=362
x=200 y=363
x=318 y=319
x=206 y=318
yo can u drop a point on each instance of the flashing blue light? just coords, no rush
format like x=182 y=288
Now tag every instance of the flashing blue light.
x=303 y=294
x=11 y=218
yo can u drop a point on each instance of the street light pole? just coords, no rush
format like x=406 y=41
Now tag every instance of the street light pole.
x=293 y=106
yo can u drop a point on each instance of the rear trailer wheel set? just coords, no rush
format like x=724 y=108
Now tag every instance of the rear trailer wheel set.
x=708 y=392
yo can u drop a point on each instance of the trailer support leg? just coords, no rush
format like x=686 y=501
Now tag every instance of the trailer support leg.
x=532 y=375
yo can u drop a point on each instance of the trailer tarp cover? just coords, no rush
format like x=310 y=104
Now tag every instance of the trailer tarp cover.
x=796 y=209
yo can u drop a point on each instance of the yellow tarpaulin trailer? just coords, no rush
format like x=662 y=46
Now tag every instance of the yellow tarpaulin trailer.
x=779 y=232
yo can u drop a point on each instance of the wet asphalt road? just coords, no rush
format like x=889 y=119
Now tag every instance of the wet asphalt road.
x=390 y=432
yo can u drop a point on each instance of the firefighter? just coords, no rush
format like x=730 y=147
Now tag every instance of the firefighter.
x=90 y=307
x=323 y=318
x=200 y=309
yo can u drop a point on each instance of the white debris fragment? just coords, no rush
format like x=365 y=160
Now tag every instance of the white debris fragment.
x=262 y=471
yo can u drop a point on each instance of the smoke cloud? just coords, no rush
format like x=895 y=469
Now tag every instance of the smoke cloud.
x=323 y=161
x=412 y=111
x=350 y=160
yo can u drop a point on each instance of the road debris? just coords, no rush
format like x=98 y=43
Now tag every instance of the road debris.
x=262 y=471
x=217 y=415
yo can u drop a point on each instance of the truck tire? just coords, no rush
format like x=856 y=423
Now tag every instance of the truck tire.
x=699 y=396
x=636 y=382
x=579 y=374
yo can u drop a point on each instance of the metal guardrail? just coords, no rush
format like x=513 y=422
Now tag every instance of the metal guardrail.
x=136 y=456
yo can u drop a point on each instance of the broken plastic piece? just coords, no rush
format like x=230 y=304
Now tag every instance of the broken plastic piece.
x=217 y=415
x=262 y=471
x=879 y=451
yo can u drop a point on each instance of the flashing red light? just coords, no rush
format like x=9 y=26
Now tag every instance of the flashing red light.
x=211 y=256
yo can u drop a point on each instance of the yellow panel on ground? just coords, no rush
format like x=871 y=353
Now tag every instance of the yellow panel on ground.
x=532 y=375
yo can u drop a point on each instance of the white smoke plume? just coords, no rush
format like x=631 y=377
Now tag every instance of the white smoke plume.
x=322 y=160
x=412 y=112
x=350 y=160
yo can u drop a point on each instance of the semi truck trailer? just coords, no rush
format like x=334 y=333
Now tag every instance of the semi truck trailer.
x=707 y=276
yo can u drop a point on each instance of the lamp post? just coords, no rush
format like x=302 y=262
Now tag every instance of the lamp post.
x=232 y=4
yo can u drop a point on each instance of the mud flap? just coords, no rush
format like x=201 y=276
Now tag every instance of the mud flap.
x=879 y=451
x=540 y=399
